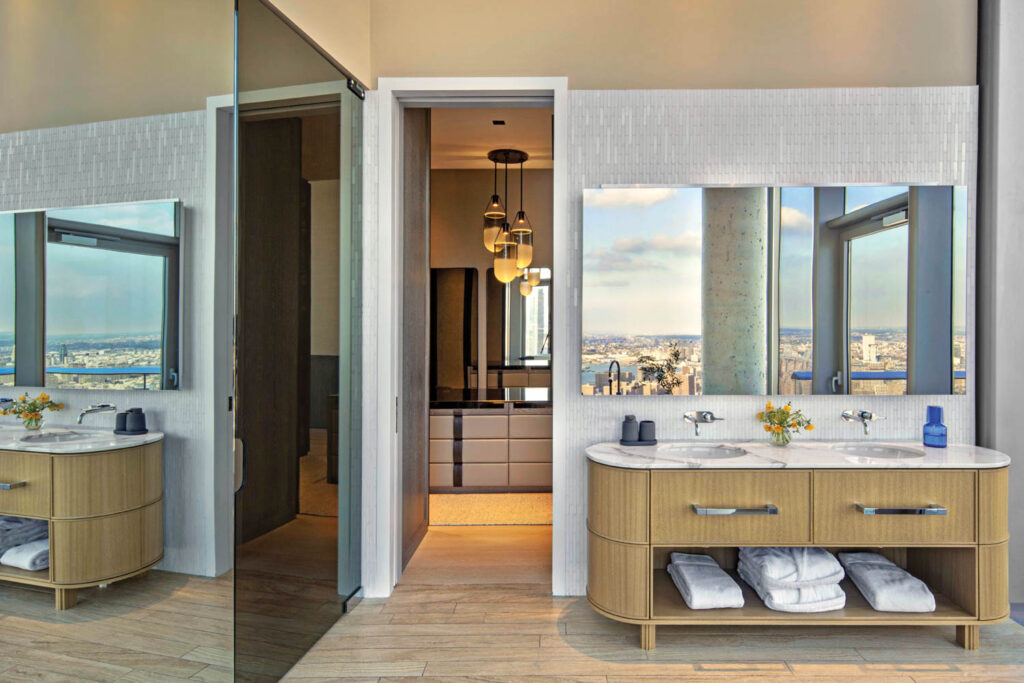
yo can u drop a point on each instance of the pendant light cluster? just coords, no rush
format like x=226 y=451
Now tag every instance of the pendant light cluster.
x=511 y=243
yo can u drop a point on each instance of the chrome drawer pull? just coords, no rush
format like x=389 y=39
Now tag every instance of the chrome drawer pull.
x=768 y=509
x=930 y=510
x=8 y=485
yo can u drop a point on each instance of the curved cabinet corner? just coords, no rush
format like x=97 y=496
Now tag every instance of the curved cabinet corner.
x=619 y=577
x=618 y=503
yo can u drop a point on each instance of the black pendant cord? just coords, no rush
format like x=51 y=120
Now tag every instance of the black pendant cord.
x=495 y=178
x=506 y=191
x=520 y=187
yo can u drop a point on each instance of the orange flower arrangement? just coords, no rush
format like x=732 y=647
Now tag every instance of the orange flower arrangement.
x=30 y=410
x=781 y=422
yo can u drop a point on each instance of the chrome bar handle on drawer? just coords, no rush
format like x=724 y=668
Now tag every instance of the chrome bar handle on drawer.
x=768 y=509
x=930 y=510
x=8 y=485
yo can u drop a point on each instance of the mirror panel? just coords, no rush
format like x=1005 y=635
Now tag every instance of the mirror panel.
x=769 y=290
x=107 y=316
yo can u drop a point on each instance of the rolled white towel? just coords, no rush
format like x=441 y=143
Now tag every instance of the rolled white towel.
x=885 y=586
x=702 y=583
x=824 y=598
x=32 y=556
x=792 y=567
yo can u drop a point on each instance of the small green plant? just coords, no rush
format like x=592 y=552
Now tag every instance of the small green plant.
x=662 y=370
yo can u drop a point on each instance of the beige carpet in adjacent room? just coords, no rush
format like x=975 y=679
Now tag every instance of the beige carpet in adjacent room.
x=458 y=509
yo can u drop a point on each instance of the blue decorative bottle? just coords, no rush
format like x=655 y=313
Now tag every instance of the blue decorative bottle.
x=934 y=430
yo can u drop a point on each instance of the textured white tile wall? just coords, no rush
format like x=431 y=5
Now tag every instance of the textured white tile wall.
x=742 y=137
x=153 y=157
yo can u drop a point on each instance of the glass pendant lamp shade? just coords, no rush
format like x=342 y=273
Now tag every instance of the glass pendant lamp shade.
x=505 y=262
x=504 y=237
x=492 y=229
x=495 y=209
x=524 y=249
x=525 y=288
x=533 y=276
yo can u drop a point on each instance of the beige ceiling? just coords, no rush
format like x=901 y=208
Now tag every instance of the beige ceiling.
x=461 y=138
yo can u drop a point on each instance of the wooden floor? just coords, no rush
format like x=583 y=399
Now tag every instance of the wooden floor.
x=481 y=555
x=156 y=627
x=502 y=632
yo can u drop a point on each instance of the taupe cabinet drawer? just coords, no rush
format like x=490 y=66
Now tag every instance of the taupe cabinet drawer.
x=529 y=450
x=529 y=474
x=529 y=426
x=473 y=450
x=839 y=519
x=674 y=519
x=473 y=426
x=28 y=474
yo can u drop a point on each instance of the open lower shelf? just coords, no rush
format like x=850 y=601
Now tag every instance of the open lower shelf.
x=668 y=607
x=15 y=574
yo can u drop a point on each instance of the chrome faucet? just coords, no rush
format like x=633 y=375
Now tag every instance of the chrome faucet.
x=865 y=417
x=699 y=417
x=98 y=408
x=618 y=377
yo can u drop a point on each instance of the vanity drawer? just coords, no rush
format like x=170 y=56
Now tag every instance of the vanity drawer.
x=838 y=519
x=529 y=474
x=95 y=484
x=751 y=493
x=29 y=475
x=97 y=548
x=529 y=426
x=529 y=450
x=473 y=450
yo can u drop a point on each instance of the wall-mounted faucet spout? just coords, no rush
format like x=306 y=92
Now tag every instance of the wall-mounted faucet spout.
x=865 y=417
x=618 y=377
x=98 y=408
x=699 y=417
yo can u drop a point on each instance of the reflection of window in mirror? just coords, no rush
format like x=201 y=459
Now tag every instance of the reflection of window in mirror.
x=111 y=297
x=795 y=287
x=959 y=302
x=529 y=322
x=859 y=196
x=7 y=299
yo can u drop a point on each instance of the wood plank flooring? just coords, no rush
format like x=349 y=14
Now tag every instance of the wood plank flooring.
x=433 y=630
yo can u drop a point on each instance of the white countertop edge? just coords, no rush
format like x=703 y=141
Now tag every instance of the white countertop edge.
x=797 y=455
x=98 y=440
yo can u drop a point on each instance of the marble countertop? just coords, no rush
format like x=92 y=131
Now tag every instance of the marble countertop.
x=78 y=440
x=797 y=455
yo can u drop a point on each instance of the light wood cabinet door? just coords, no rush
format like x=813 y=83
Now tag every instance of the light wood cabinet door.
x=675 y=519
x=87 y=550
x=28 y=475
x=839 y=519
x=617 y=506
x=619 y=577
x=94 y=484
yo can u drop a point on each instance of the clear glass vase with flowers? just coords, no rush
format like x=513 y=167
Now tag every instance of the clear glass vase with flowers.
x=782 y=422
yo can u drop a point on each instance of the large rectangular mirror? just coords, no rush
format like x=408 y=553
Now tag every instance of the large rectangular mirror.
x=775 y=290
x=89 y=297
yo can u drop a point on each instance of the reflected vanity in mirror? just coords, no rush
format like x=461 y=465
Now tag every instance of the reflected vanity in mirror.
x=97 y=290
x=775 y=290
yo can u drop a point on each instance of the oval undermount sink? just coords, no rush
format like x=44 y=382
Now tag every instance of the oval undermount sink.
x=878 y=451
x=699 y=451
x=55 y=437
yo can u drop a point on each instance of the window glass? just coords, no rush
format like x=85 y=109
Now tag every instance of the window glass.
x=104 y=318
x=859 y=197
x=959 y=290
x=155 y=218
x=642 y=290
x=7 y=299
x=537 y=321
x=878 y=312
x=796 y=262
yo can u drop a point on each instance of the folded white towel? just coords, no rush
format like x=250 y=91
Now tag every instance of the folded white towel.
x=702 y=583
x=824 y=598
x=792 y=567
x=885 y=586
x=31 y=556
x=15 y=531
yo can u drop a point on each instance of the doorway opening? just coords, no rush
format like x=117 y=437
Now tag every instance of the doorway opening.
x=476 y=439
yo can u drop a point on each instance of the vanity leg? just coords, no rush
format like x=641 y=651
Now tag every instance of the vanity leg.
x=65 y=598
x=647 y=636
x=968 y=637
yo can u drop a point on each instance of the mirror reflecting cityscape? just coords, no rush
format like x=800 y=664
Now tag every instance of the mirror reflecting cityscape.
x=784 y=290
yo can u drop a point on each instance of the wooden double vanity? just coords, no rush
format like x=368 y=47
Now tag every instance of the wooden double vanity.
x=102 y=496
x=941 y=514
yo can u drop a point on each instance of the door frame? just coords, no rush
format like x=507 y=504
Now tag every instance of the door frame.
x=382 y=282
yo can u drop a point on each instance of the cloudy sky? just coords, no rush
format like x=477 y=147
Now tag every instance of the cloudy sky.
x=91 y=291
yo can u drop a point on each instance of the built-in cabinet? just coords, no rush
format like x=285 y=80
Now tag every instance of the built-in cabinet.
x=105 y=514
x=637 y=517
x=503 y=449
